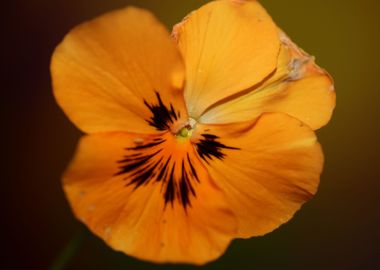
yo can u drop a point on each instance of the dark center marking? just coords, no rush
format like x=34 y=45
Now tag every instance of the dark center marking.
x=146 y=162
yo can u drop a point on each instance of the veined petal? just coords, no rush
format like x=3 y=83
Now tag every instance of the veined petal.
x=228 y=46
x=140 y=195
x=106 y=69
x=298 y=87
x=272 y=170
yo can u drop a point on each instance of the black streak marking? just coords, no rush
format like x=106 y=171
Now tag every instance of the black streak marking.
x=146 y=145
x=170 y=188
x=162 y=173
x=162 y=116
x=193 y=171
x=145 y=163
x=209 y=147
x=140 y=167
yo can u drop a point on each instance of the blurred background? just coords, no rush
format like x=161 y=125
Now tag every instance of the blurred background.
x=338 y=229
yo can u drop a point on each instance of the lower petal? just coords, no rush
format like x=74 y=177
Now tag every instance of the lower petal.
x=137 y=220
x=269 y=169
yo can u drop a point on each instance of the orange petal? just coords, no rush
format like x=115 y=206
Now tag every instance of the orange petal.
x=298 y=87
x=275 y=169
x=104 y=69
x=228 y=46
x=134 y=217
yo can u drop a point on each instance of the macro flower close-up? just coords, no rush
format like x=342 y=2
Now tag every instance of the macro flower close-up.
x=192 y=138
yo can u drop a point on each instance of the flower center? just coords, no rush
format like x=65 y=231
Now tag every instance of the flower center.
x=171 y=158
x=184 y=132
x=187 y=130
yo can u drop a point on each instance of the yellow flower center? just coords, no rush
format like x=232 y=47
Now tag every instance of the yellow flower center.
x=187 y=130
x=184 y=132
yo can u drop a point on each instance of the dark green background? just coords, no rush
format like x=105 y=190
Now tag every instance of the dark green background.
x=338 y=229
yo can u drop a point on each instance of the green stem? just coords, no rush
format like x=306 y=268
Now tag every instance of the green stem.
x=69 y=251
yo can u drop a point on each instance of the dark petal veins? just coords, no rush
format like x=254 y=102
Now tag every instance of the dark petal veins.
x=147 y=145
x=194 y=172
x=170 y=188
x=146 y=163
x=209 y=147
x=162 y=171
x=162 y=116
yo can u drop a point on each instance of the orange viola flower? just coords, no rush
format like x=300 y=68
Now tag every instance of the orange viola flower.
x=193 y=139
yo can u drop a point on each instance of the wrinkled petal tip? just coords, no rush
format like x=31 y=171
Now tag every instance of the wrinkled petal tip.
x=298 y=53
x=298 y=87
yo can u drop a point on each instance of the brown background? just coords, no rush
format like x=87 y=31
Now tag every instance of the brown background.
x=338 y=229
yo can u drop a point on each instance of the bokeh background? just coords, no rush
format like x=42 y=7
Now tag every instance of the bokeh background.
x=338 y=229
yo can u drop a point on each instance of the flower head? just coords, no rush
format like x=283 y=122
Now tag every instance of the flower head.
x=193 y=139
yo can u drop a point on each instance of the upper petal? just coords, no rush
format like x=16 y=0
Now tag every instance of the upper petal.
x=121 y=186
x=227 y=46
x=268 y=169
x=298 y=87
x=105 y=69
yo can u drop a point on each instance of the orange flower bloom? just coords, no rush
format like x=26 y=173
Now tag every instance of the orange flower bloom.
x=193 y=141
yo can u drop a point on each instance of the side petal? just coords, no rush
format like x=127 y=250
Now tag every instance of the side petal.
x=298 y=87
x=136 y=219
x=105 y=69
x=269 y=168
x=228 y=46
